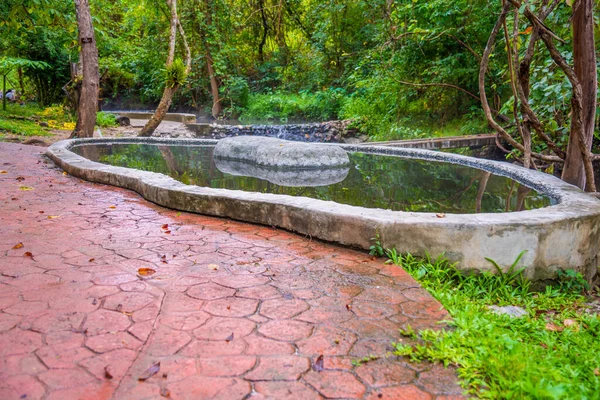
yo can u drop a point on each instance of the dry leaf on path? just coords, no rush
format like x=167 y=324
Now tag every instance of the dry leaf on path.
x=214 y=267
x=150 y=372
x=25 y=188
x=146 y=271
x=318 y=364
x=18 y=246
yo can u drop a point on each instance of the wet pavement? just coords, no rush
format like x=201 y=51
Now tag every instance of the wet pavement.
x=232 y=311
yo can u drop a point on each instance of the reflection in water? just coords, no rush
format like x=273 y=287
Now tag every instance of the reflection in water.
x=284 y=177
x=372 y=181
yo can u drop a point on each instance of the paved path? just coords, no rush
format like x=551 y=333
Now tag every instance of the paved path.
x=234 y=310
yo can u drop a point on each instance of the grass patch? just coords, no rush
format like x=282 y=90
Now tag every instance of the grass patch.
x=551 y=353
x=106 y=120
x=22 y=128
x=24 y=120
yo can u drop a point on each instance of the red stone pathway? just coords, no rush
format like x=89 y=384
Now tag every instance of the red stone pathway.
x=234 y=310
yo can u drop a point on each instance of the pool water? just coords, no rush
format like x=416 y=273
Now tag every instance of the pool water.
x=371 y=181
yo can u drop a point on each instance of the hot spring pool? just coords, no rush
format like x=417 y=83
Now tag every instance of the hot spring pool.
x=417 y=201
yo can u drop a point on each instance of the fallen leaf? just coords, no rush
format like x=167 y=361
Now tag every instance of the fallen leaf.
x=569 y=322
x=41 y=212
x=53 y=216
x=25 y=188
x=3 y=172
x=597 y=371
x=150 y=372
x=165 y=226
x=28 y=254
x=65 y=173
x=214 y=267
x=229 y=338
x=146 y=271
x=164 y=392
x=168 y=232
x=544 y=345
x=18 y=246
x=107 y=374
x=91 y=259
x=228 y=307
x=318 y=364
x=20 y=178
x=348 y=307
x=552 y=327
x=112 y=207
x=440 y=215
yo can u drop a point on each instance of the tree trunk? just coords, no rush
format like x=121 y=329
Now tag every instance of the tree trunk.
x=88 y=102
x=584 y=60
x=217 y=108
x=167 y=97
x=265 y=30
x=214 y=83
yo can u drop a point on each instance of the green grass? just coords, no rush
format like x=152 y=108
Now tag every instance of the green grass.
x=22 y=128
x=552 y=353
x=24 y=120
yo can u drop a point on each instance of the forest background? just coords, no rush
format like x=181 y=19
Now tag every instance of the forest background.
x=399 y=69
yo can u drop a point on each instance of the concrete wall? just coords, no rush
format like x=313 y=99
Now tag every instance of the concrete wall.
x=176 y=117
x=565 y=235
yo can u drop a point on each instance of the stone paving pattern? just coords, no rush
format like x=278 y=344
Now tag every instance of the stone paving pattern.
x=234 y=310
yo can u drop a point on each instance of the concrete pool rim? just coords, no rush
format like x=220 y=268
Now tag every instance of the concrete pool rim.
x=564 y=235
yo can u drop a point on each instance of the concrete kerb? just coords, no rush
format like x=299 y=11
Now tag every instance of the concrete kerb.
x=565 y=235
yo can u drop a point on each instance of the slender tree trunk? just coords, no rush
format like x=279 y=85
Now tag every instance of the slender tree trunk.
x=88 y=102
x=21 y=82
x=217 y=108
x=4 y=92
x=265 y=30
x=584 y=60
x=167 y=97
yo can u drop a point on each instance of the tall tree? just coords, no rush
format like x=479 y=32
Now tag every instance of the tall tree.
x=88 y=101
x=584 y=63
x=217 y=107
x=577 y=159
x=176 y=72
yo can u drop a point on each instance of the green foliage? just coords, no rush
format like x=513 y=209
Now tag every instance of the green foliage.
x=22 y=128
x=551 y=353
x=175 y=74
x=376 y=248
x=106 y=120
x=24 y=120
x=572 y=281
x=279 y=106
